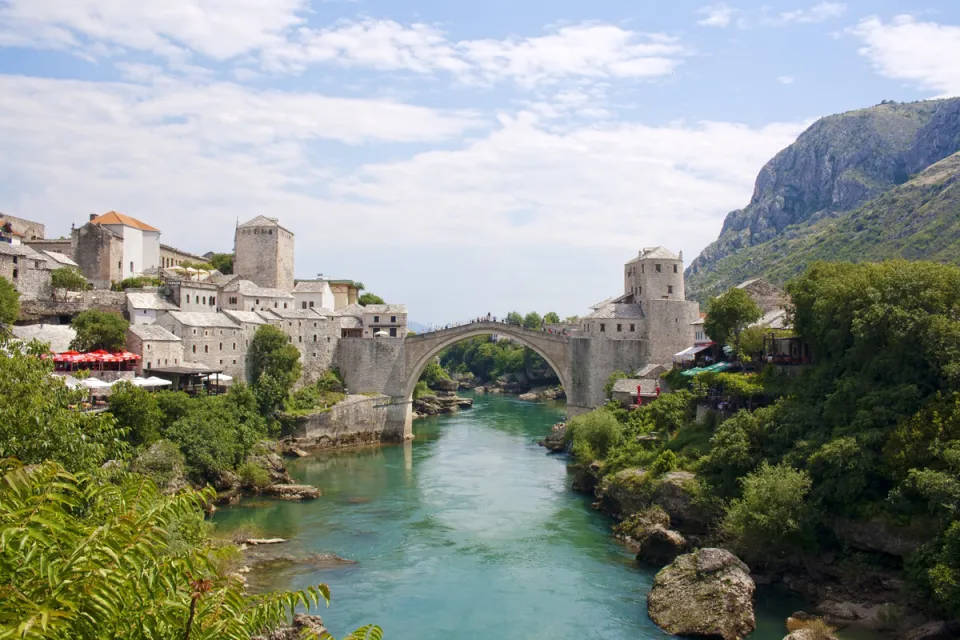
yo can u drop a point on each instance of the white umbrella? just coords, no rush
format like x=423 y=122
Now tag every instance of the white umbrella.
x=96 y=383
x=157 y=382
x=382 y=334
x=72 y=382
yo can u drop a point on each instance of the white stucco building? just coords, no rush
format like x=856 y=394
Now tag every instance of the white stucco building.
x=141 y=242
x=313 y=294
x=146 y=307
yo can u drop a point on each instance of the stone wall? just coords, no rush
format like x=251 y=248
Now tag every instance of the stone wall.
x=592 y=362
x=51 y=311
x=264 y=255
x=30 y=229
x=372 y=365
x=60 y=245
x=99 y=254
x=355 y=421
x=670 y=327
x=211 y=346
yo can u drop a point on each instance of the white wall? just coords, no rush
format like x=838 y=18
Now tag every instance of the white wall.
x=320 y=300
x=189 y=302
x=142 y=316
x=151 y=250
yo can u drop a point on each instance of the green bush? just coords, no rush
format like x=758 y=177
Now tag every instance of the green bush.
x=137 y=411
x=593 y=434
x=99 y=330
x=421 y=390
x=162 y=462
x=611 y=381
x=253 y=476
x=665 y=462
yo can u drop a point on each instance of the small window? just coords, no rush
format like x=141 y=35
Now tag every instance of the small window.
x=234 y=346
x=393 y=332
x=206 y=348
x=657 y=268
x=234 y=362
x=276 y=304
x=311 y=304
x=376 y=318
x=669 y=288
x=603 y=327
x=148 y=365
x=204 y=299
x=393 y=319
x=674 y=268
x=641 y=268
x=303 y=305
x=213 y=300
x=284 y=305
x=131 y=265
x=205 y=332
x=619 y=328
x=119 y=265
x=148 y=346
x=16 y=273
x=633 y=327
x=221 y=346
x=194 y=348
x=639 y=291
x=14 y=259
x=194 y=332
x=197 y=299
x=300 y=339
x=314 y=337
x=258 y=300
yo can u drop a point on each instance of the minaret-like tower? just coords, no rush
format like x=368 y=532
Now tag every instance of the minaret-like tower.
x=655 y=274
x=263 y=253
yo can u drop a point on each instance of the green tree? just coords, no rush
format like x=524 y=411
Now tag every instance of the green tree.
x=85 y=559
x=433 y=373
x=369 y=298
x=572 y=319
x=40 y=420
x=773 y=515
x=594 y=434
x=274 y=367
x=222 y=262
x=99 y=330
x=514 y=317
x=67 y=279
x=729 y=314
x=9 y=304
x=137 y=411
x=551 y=318
x=532 y=320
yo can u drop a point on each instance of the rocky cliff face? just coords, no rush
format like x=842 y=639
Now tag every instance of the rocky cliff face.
x=835 y=166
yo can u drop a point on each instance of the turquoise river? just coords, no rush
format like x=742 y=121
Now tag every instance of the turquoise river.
x=470 y=531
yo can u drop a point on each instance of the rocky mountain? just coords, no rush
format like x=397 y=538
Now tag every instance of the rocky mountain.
x=857 y=186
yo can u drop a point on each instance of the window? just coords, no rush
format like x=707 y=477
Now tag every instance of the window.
x=221 y=346
x=15 y=274
x=194 y=332
x=656 y=268
x=131 y=265
x=311 y=304
x=393 y=319
x=619 y=328
x=303 y=305
x=233 y=299
x=194 y=348
x=14 y=259
x=641 y=268
x=276 y=304
x=205 y=332
x=376 y=318
x=640 y=291
x=669 y=288
x=234 y=362
x=197 y=299
x=148 y=365
x=314 y=337
x=633 y=327
x=119 y=265
x=258 y=300
x=674 y=268
x=206 y=348
x=603 y=327
x=148 y=346
x=234 y=346
x=213 y=300
x=393 y=332
x=300 y=339
x=204 y=299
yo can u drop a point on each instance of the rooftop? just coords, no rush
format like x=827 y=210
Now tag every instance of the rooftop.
x=385 y=308
x=616 y=310
x=350 y=322
x=311 y=286
x=655 y=253
x=249 y=288
x=149 y=300
x=152 y=332
x=113 y=217
x=649 y=370
x=188 y=368
x=20 y=250
x=60 y=258
x=298 y=314
x=250 y=317
x=201 y=319
x=354 y=310
x=59 y=336
x=629 y=385
x=263 y=221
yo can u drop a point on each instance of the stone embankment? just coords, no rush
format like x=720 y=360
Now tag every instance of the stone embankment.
x=356 y=420
x=438 y=403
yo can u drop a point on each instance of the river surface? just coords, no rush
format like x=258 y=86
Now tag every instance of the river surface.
x=469 y=532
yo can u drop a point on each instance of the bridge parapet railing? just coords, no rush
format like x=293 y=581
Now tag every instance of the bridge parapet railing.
x=544 y=329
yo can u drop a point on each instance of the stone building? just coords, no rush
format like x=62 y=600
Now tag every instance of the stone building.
x=313 y=294
x=245 y=295
x=27 y=230
x=195 y=296
x=147 y=306
x=386 y=318
x=263 y=253
x=211 y=339
x=156 y=347
x=315 y=336
x=173 y=257
x=58 y=260
x=141 y=242
x=27 y=270
x=62 y=246
x=99 y=252
x=345 y=293
x=652 y=307
x=249 y=322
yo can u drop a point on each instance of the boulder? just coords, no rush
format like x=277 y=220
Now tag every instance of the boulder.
x=530 y=397
x=625 y=492
x=586 y=477
x=705 y=593
x=303 y=627
x=445 y=385
x=660 y=547
x=942 y=630
x=878 y=535
x=274 y=466
x=555 y=441
x=808 y=634
x=676 y=492
x=293 y=492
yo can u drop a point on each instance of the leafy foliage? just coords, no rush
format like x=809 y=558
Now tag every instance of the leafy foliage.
x=137 y=411
x=594 y=434
x=274 y=367
x=612 y=380
x=86 y=559
x=729 y=314
x=488 y=360
x=40 y=420
x=99 y=330
x=532 y=320
x=325 y=392
x=137 y=282
x=67 y=279
x=369 y=298
x=9 y=303
x=551 y=317
x=222 y=262
x=433 y=373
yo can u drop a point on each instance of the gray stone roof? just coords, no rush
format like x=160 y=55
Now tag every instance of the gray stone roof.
x=650 y=370
x=655 y=253
x=249 y=288
x=603 y=302
x=629 y=385
x=59 y=336
x=61 y=259
x=152 y=332
x=354 y=310
x=385 y=308
x=263 y=221
x=221 y=279
x=296 y=314
x=149 y=300
x=350 y=322
x=614 y=310
x=699 y=321
x=200 y=319
x=311 y=286
x=20 y=250
x=250 y=317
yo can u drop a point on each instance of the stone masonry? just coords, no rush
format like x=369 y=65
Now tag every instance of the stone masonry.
x=264 y=253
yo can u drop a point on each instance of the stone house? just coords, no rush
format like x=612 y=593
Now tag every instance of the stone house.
x=245 y=295
x=768 y=296
x=313 y=294
x=99 y=252
x=345 y=293
x=146 y=306
x=27 y=270
x=315 y=336
x=211 y=339
x=173 y=257
x=140 y=242
x=249 y=322
x=195 y=296
x=156 y=347
x=58 y=260
x=263 y=254
x=26 y=230
x=389 y=318
x=625 y=391
x=700 y=336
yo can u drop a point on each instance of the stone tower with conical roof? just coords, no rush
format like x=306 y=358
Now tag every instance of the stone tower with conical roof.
x=263 y=253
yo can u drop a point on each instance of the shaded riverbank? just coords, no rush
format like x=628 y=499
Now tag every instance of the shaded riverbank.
x=466 y=531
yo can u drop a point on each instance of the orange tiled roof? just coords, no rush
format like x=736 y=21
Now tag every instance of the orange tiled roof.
x=112 y=217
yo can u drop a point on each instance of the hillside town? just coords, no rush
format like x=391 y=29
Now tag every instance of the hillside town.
x=187 y=319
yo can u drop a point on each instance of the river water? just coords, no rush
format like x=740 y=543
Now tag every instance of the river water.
x=469 y=532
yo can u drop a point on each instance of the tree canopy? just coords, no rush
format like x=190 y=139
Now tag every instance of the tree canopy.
x=551 y=317
x=532 y=320
x=99 y=330
x=222 y=262
x=274 y=366
x=729 y=314
x=67 y=279
x=9 y=303
x=369 y=298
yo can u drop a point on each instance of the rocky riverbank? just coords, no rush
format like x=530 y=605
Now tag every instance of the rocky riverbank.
x=662 y=518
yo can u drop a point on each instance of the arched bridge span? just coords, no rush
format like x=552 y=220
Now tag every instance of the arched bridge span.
x=422 y=348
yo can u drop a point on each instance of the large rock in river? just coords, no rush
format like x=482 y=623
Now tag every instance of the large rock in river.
x=705 y=593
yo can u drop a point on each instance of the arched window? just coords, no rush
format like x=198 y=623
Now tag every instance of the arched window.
x=206 y=348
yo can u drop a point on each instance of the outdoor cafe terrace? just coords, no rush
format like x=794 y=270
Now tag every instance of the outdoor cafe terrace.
x=69 y=361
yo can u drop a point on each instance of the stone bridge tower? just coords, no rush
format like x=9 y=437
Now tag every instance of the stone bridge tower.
x=263 y=253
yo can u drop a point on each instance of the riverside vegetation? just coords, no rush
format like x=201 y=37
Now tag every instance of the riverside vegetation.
x=857 y=459
x=101 y=534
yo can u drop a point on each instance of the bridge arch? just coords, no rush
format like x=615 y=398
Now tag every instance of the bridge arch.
x=422 y=349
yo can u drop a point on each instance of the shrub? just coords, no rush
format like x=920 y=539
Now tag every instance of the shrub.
x=137 y=411
x=99 y=330
x=594 y=434
x=421 y=390
x=162 y=463
x=665 y=462
x=253 y=476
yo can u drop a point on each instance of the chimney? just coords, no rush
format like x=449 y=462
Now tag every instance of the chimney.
x=93 y=217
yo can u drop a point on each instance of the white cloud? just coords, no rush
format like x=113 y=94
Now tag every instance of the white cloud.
x=716 y=15
x=924 y=53
x=817 y=13
x=219 y=29
x=786 y=80
x=587 y=50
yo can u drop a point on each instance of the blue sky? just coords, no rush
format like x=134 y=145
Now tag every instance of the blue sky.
x=462 y=158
